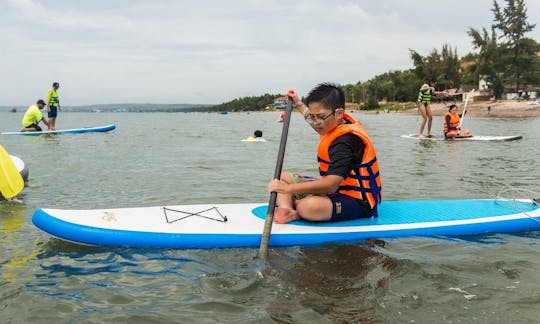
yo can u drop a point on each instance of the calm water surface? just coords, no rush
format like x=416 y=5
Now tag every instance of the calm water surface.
x=168 y=159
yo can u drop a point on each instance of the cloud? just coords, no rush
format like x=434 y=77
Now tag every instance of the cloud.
x=213 y=51
x=27 y=7
x=353 y=11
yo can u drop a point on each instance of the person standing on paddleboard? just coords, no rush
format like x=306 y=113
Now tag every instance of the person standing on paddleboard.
x=350 y=183
x=451 y=128
x=33 y=116
x=53 y=105
x=423 y=101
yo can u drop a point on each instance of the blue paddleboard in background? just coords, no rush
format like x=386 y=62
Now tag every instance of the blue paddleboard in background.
x=66 y=131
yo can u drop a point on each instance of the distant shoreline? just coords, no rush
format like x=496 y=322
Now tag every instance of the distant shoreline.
x=500 y=108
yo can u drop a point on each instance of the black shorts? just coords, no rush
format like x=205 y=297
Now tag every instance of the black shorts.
x=35 y=126
x=346 y=208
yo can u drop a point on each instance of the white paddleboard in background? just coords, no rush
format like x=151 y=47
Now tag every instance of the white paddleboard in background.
x=472 y=138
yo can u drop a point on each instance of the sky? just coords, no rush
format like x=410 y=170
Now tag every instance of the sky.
x=209 y=52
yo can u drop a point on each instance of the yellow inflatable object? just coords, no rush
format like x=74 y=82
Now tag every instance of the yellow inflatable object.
x=11 y=182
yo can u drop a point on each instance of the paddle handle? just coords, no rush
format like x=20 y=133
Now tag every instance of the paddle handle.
x=465 y=107
x=263 y=248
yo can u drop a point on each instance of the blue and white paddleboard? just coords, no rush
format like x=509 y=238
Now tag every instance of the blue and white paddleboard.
x=241 y=225
x=64 y=131
x=472 y=138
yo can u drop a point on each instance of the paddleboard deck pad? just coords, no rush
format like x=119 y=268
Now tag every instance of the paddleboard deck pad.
x=241 y=225
x=66 y=131
x=472 y=138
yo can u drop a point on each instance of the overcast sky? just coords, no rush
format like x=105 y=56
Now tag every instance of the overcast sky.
x=167 y=51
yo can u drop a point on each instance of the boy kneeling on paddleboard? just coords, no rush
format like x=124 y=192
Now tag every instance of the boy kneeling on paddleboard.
x=350 y=183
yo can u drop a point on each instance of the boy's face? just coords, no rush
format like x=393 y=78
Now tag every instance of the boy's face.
x=323 y=119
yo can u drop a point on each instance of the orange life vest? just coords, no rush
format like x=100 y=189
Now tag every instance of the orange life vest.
x=454 y=122
x=364 y=180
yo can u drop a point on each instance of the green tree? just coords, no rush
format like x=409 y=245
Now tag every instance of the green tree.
x=350 y=93
x=450 y=76
x=358 y=92
x=517 y=49
x=489 y=62
x=406 y=84
x=354 y=92
x=469 y=66
x=532 y=74
x=443 y=67
x=371 y=101
x=246 y=103
x=392 y=86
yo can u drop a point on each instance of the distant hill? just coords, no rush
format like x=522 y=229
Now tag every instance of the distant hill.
x=135 y=107
x=256 y=103
x=124 y=107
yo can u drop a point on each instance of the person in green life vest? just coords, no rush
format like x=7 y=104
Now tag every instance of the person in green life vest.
x=33 y=116
x=424 y=106
x=53 y=105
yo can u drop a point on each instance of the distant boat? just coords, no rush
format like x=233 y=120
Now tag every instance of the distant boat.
x=13 y=109
x=224 y=112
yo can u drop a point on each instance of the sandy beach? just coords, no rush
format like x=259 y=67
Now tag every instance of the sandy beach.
x=499 y=108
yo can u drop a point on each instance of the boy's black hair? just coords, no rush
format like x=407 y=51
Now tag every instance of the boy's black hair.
x=328 y=94
x=257 y=133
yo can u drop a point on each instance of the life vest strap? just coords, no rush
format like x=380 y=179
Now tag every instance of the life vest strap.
x=361 y=177
x=319 y=159
x=353 y=188
x=367 y=164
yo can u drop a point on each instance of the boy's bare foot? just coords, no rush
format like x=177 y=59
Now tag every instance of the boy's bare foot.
x=285 y=215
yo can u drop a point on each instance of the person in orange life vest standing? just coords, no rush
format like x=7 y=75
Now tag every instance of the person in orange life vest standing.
x=350 y=183
x=451 y=127
x=53 y=104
